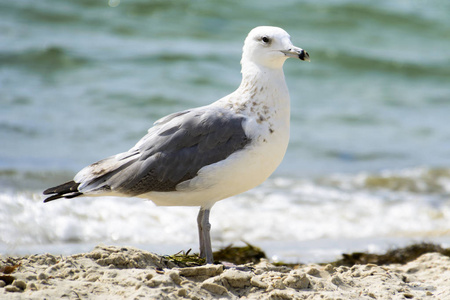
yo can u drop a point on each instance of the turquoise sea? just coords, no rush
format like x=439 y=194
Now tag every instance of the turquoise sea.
x=368 y=166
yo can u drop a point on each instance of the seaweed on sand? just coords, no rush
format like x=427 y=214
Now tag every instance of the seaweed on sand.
x=394 y=256
x=231 y=254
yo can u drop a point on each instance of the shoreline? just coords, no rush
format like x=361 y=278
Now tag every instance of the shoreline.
x=294 y=252
x=111 y=272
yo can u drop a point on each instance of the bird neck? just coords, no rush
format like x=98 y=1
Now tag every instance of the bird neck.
x=257 y=79
x=251 y=71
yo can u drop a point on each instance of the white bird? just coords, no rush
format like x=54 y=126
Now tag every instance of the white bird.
x=202 y=155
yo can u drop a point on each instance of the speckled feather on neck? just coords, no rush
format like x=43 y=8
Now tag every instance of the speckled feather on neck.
x=263 y=93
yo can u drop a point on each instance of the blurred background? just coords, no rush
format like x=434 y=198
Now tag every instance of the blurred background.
x=368 y=166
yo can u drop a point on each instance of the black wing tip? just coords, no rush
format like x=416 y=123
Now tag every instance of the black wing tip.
x=65 y=190
x=49 y=191
x=51 y=198
x=59 y=196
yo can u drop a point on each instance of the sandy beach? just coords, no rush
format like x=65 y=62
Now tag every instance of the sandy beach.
x=110 y=272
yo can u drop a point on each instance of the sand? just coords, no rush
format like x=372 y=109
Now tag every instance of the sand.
x=110 y=272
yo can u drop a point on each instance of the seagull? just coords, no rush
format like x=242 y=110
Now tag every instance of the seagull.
x=199 y=156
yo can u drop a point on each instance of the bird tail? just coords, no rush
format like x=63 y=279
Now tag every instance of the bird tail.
x=65 y=190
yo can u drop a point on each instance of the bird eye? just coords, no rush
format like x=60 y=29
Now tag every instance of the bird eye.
x=265 y=39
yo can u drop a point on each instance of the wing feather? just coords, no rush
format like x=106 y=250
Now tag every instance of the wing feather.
x=173 y=151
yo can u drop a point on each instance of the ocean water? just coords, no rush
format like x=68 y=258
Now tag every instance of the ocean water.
x=368 y=166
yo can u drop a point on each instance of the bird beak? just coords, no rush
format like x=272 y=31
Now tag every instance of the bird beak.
x=296 y=52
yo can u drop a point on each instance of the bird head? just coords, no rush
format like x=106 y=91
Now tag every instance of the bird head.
x=270 y=47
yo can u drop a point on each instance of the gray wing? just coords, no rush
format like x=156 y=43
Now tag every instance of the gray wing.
x=173 y=151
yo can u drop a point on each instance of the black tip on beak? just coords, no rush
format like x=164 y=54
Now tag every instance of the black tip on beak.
x=304 y=55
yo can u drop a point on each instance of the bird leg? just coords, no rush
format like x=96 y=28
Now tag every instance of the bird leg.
x=200 y=234
x=204 y=236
